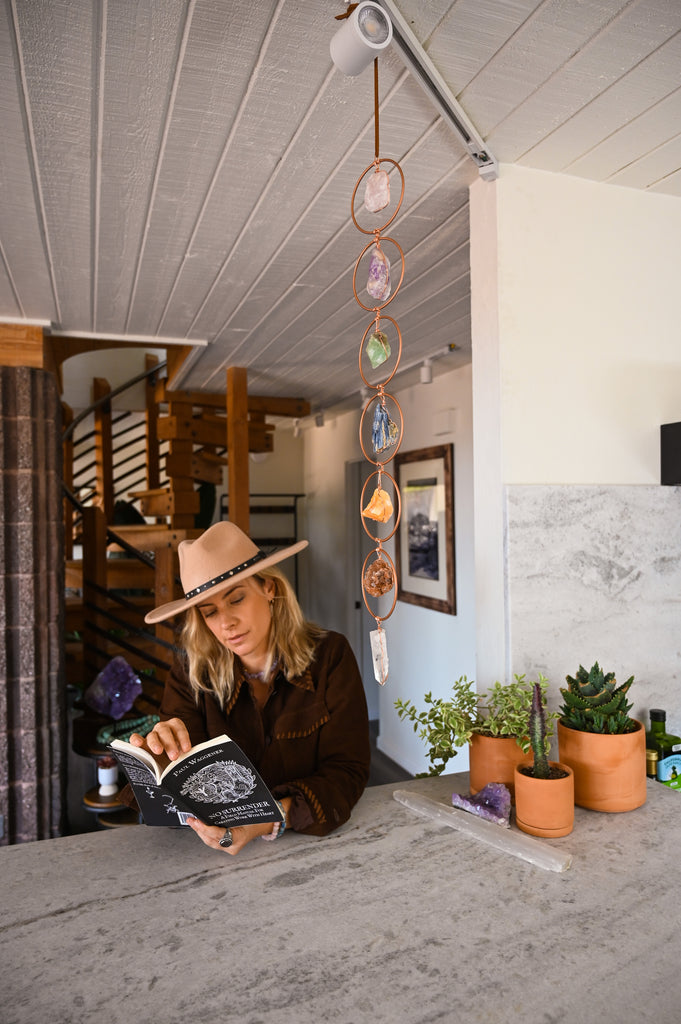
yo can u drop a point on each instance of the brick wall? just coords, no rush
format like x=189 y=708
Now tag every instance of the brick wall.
x=32 y=685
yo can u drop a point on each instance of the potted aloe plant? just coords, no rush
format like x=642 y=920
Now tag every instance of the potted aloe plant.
x=544 y=790
x=494 y=724
x=601 y=743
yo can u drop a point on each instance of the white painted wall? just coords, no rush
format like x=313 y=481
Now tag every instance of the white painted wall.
x=576 y=362
x=115 y=365
x=589 y=318
x=427 y=650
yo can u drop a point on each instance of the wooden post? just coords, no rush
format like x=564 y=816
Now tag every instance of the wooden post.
x=184 y=499
x=165 y=559
x=94 y=572
x=103 y=449
x=237 y=447
x=151 y=422
x=67 y=472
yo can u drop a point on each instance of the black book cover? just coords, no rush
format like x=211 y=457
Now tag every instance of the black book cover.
x=214 y=782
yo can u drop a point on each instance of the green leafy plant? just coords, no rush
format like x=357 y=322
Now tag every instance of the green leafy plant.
x=449 y=723
x=593 y=702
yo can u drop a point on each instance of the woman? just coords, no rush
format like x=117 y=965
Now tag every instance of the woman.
x=288 y=692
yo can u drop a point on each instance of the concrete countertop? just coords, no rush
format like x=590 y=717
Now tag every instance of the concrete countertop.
x=391 y=918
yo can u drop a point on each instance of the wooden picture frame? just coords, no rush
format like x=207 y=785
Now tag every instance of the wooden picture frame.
x=424 y=544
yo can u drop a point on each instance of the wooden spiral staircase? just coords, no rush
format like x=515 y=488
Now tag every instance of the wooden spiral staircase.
x=158 y=464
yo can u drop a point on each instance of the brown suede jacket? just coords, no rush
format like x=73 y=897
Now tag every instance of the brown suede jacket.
x=311 y=740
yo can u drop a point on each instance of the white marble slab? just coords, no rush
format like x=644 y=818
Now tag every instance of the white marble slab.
x=392 y=918
x=594 y=574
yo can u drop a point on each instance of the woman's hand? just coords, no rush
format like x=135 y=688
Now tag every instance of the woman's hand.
x=170 y=738
x=241 y=835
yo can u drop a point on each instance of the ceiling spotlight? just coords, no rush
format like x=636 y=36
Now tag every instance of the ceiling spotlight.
x=319 y=419
x=426 y=372
x=296 y=427
x=366 y=32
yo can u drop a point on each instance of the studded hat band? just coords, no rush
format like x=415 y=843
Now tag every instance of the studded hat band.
x=225 y=575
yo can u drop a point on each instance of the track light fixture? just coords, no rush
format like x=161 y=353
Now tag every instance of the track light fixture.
x=370 y=29
x=365 y=33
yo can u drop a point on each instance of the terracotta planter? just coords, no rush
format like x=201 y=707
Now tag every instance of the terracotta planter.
x=610 y=771
x=493 y=759
x=545 y=807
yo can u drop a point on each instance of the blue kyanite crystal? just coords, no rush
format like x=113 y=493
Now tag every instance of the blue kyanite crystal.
x=493 y=803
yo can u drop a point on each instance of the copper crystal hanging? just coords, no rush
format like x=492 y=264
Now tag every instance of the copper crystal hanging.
x=377 y=279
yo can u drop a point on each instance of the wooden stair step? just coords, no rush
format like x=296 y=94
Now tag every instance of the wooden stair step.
x=152 y=536
x=121 y=574
x=164 y=502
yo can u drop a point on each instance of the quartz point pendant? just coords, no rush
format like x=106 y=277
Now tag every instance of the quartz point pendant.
x=379 y=655
x=378 y=285
x=378 y=349
x=377 y=192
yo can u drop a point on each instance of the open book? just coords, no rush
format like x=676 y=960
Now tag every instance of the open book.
x=214 y=781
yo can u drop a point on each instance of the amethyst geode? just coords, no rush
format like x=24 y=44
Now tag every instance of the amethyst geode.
x=492 y=802
x=115 y=689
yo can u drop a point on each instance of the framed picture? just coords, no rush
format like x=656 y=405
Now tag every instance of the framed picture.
x=424 y=545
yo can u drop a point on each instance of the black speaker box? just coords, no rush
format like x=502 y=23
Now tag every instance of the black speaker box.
x=670 y=454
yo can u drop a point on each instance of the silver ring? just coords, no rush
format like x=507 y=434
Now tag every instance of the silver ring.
x=227 y=839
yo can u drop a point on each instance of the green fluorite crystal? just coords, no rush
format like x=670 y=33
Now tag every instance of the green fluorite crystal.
x=378 y=348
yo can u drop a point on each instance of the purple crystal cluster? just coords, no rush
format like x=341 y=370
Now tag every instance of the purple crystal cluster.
x=114 y=690
x=493 y=803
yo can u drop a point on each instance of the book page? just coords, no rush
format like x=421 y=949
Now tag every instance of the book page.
x=148 y=763
x=217 y=741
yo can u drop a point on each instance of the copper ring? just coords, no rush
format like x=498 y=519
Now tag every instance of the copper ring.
x=398 y=511
x=376 y=326
x=395 y=290
x=371 y=167
x=380 y=618
x=393 y=448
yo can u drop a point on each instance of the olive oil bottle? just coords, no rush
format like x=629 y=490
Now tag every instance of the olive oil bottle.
x=668 y=749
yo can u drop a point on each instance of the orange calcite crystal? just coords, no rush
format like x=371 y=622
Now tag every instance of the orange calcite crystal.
x=380 y=507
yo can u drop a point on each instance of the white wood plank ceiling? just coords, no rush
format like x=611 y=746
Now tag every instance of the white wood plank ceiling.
x=183 y=168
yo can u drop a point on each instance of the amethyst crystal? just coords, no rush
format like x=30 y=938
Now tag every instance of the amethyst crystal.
x=493 y=803
x=114 y=690
x=378 y=284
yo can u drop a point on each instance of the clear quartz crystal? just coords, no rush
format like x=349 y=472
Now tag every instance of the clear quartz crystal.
x=379 y=654
x=377 y=192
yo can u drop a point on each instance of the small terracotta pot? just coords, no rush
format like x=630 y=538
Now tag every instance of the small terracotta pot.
x=545 y=807
x=610 y=771
x=493 y=759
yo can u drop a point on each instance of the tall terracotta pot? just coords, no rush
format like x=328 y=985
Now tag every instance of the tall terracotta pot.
x=493 y=759
x=545 y=807
x=610 y=771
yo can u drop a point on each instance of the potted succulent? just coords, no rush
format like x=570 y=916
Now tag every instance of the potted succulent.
x=601 y=743
x=544 y=790
x=494 y=724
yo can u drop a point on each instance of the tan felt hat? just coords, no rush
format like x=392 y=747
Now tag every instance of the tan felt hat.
x=217 y=559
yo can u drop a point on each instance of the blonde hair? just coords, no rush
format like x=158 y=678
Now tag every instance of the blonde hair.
x=293 y=641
